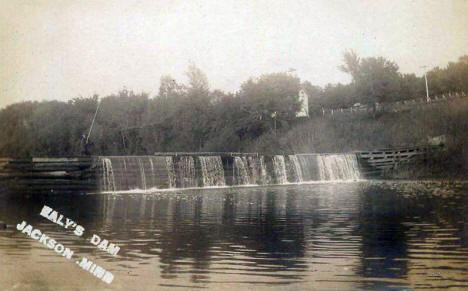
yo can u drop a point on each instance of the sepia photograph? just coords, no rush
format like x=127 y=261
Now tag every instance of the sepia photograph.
x=233 y=145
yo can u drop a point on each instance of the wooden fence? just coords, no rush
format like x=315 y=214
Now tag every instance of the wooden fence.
x=379 y=160
x=398 y=106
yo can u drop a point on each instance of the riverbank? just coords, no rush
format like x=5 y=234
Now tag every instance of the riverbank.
x=356 y=131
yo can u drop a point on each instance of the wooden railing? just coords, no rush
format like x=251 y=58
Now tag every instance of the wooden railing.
x=397 y=106
x=382 y=159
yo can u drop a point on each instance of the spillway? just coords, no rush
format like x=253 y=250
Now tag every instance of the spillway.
x=120 y=173
x=212 y=172
x=338 y=167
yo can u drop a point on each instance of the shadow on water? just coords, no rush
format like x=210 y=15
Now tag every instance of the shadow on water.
x=383 y=235
x=363 y=235
x=415 y=233
x=224 y=233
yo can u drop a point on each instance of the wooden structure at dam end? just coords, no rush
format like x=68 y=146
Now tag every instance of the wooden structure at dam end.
x=48 y=174
x=374 y=163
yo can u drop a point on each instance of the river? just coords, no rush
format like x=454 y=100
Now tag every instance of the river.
x=321 y=236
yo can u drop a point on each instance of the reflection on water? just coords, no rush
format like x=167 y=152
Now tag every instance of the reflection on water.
x=348 y=236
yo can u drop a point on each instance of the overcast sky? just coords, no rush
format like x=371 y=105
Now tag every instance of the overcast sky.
x=61 y=49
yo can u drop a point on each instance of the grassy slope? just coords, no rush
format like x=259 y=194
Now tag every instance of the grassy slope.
x=361 y=131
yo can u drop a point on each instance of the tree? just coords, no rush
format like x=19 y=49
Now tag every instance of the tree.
x=351 y=64
x=411 y=87
x=375 y=79
x=453 y=78
x=197 y=79
x=268 y=99
x=169 y=87
x=195 y=112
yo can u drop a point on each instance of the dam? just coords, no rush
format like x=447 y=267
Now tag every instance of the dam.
x=120 y=173
x=198 y=170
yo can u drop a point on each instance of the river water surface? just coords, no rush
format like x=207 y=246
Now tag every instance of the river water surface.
x=348 y=236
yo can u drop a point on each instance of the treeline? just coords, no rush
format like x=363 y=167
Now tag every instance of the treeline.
x=377 y=79
x=192 y=117
x=182 y=117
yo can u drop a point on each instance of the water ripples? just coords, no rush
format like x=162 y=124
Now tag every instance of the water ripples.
x=348 y=236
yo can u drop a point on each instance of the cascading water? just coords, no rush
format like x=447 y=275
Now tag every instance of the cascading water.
x=212 y=171
x=240 y=173
x=185 y=173
x=143 y=174
x=108 y=179
x=171 y=172
x=136 y=172
x=162 y=172
x=279 y=167
x=295 y=168
x=309 y=167
x=256 y=169
x=252 y=169
x=264 y=177
x=338 y=167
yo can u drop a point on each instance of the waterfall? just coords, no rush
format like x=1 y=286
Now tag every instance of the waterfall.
x=152 y=171
x=108 y=179
x=171 y=172
x=143 y=174
x=264 y=177
x=279 y=168
x=338 y=167
x=309 y=167
x=120 y=173
x=328 y=167
x=252 y=169
x=212 y=171
x=136 y=172
x=256 y=169
x=295 y=169
x=186 y=176
x=240 y=173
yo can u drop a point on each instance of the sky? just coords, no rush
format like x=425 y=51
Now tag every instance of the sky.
x=62 y=49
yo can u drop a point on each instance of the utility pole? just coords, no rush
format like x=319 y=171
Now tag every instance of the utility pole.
x=428 y=99
x=94 y=118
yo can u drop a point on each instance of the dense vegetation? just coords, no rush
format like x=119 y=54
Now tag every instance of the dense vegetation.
x=259 y=117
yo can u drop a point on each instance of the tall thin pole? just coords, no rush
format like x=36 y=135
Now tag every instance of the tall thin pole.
x=427 y=89
x=92 y=123
x=428 y=99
